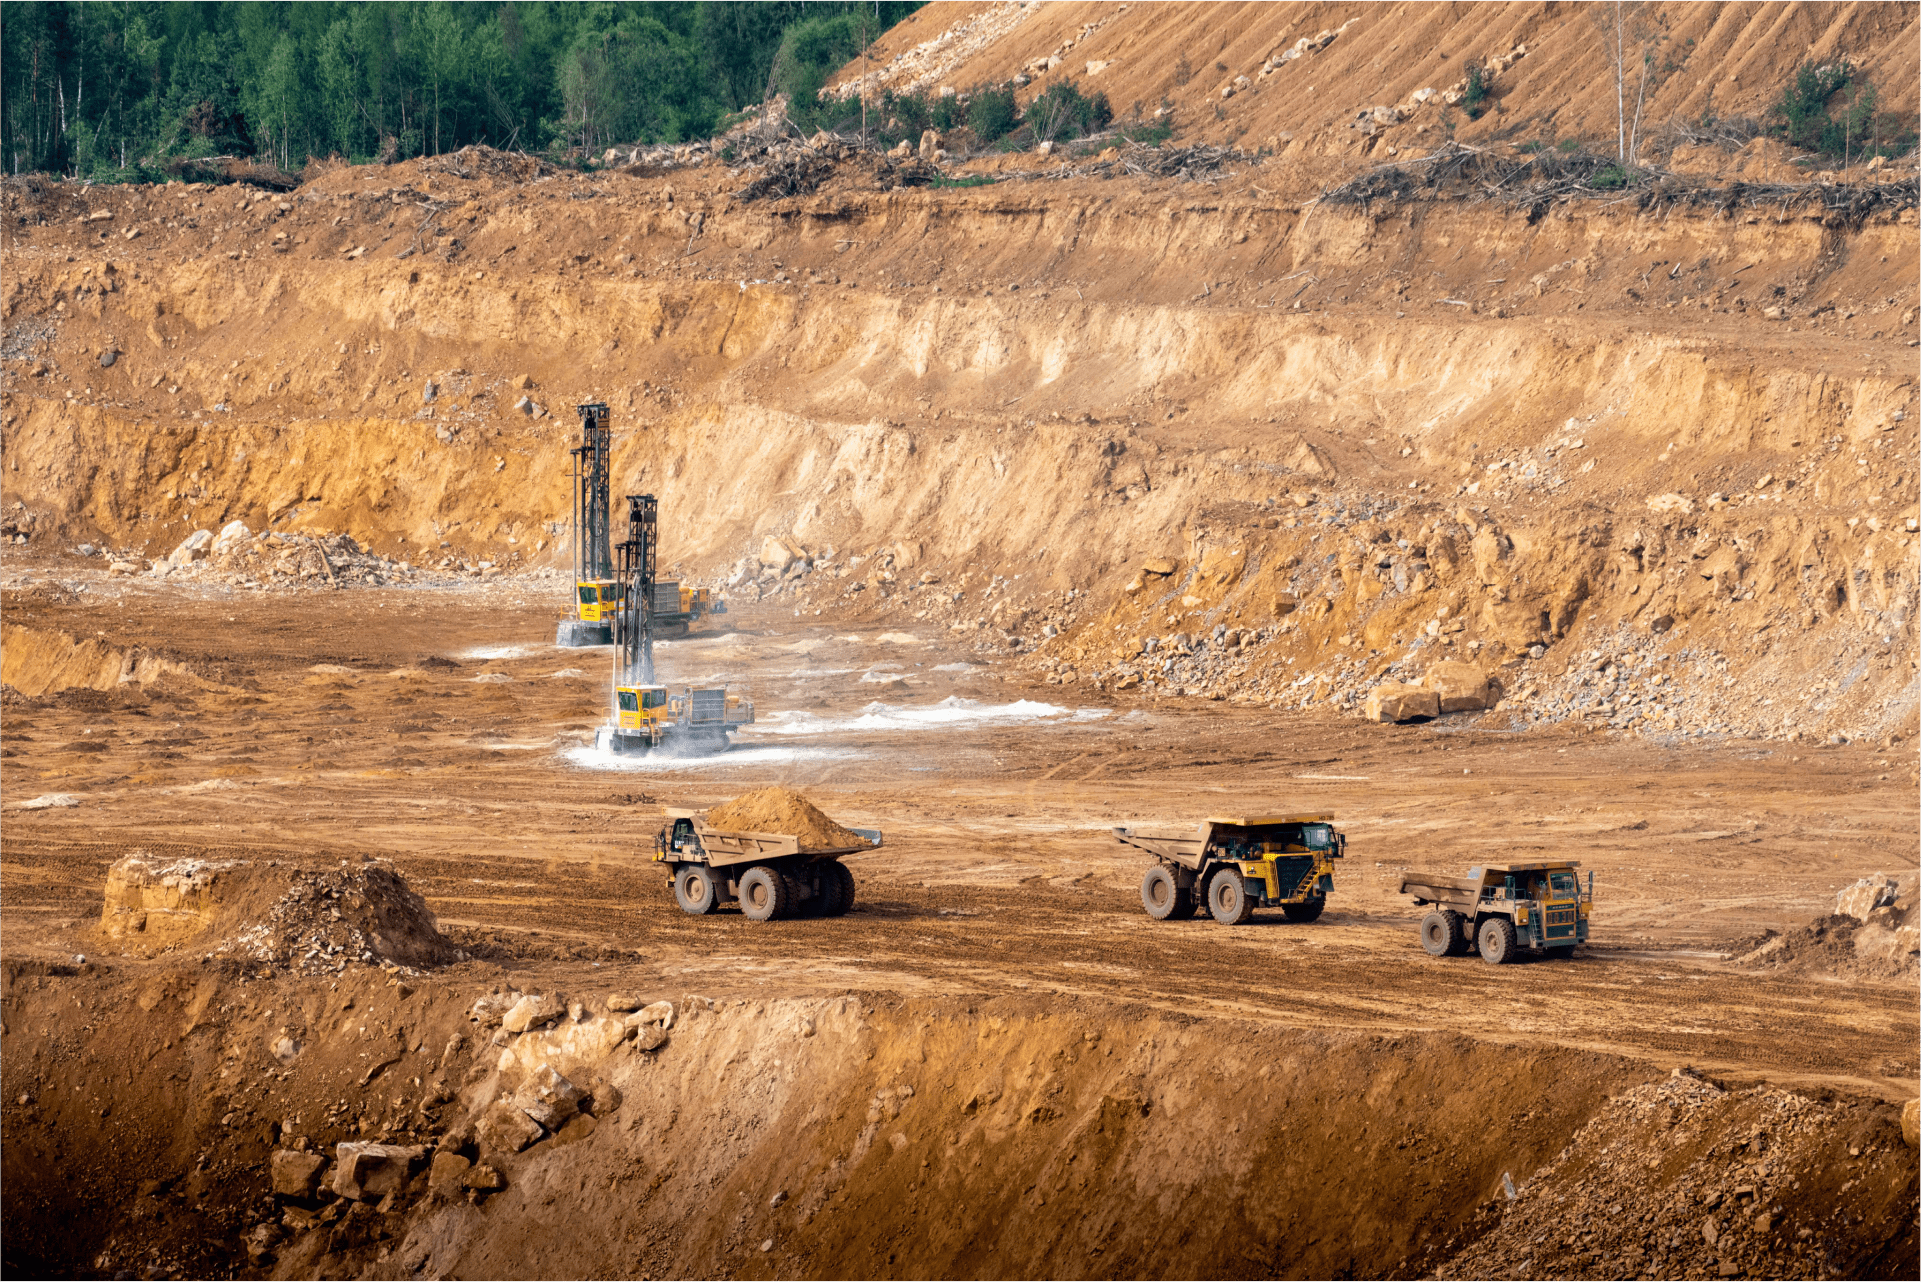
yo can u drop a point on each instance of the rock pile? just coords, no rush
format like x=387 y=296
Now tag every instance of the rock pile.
x=783 y=810
x=313 y=921
x=1873 y=932
x=239 y=556
x=1653 y=1187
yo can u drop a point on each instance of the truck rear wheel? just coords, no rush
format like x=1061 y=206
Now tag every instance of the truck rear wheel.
x=1497 y=941
x=763 y=894
x=1227 y=898
x=696 y=889
x=1436 y=936
x=842 y=878
x=1305 y=911
x=1164 y=898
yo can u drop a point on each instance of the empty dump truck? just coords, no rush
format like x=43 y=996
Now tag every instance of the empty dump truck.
x=1235 y=865
x=1499 y=909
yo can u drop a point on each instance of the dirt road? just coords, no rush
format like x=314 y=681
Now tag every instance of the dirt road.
x=412 y=724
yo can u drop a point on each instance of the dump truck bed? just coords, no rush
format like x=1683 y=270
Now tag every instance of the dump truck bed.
x=723 y=848
x=1186 y=847
x=1439 y=888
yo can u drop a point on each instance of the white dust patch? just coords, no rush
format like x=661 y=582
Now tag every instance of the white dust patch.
x=565 y=673
x=898 y=638
x=332 y=669
x=491 y=678
x=1335 y=778
x=589 y=757
x=483 y=652
x=803 y=674
x=50 y=801
x=949 y=712
x=955 y=667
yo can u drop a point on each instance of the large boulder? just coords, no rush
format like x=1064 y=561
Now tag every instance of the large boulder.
x=1864 y=896
x=231 y=536
x=548 y=1098
x=776 y=554
x=365 y=1170
x=502 y=1128
x=532 y=1011
x=1395 y=701
x=1461 y=687
x=294 y=1173
x=192 y=548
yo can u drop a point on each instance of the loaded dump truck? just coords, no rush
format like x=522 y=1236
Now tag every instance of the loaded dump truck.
x=1500 y=909
x=769 y=874
x=1235 y=865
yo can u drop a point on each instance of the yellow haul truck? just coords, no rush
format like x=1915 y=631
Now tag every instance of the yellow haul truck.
x=1239 y=863
x=1500 y=909
x=769 y=874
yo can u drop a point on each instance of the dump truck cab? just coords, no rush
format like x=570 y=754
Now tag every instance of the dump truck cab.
x=1235 y=864
x=1499 y=909
x=650 y=716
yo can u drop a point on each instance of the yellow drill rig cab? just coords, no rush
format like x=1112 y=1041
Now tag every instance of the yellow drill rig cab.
x=597 y=600
x=642 y=707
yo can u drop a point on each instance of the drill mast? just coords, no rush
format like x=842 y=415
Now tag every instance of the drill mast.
x=634 y=624
x=593 y=517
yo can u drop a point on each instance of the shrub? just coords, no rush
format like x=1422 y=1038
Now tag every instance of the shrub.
x=1063 y=111
x=1474 y=99
x=991 y=112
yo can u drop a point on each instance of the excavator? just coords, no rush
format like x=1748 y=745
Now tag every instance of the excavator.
x=646 y=715
x=598 y=594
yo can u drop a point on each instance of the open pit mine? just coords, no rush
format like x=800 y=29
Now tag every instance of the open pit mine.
x=1350 y=492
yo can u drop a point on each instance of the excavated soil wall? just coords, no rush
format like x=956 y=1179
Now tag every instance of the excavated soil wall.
x=856 y=1136
x=1415 y=431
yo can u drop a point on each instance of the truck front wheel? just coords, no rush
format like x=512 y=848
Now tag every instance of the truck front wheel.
x=1305 y=911
x=1497 y=941
x=1163 y=897
x=1227 y=898
x=696 y=889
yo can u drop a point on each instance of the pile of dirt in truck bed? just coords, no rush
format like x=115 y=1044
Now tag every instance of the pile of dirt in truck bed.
x=779 y=809
x=318 y=919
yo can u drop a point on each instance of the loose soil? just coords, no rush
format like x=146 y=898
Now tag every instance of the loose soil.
x=783 y=810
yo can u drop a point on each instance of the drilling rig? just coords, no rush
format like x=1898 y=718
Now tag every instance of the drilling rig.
x=596 y=591
x=645 y=715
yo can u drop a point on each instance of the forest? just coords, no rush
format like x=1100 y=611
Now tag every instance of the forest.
x=116 y=91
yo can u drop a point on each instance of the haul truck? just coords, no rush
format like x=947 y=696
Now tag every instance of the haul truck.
x=1235 y=865
x=1499 y=909
x=646 y=715
x=766 y=873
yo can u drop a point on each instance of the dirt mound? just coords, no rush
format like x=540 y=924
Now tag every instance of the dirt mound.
x=313 y=920
x=779 y=809
x=1685 y=1179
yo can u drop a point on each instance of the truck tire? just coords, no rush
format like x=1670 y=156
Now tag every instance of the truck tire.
x=1227 y=898
x=1457 y=933
x=843 y=877
x=1163 y=897
x=696 y=889
x=1437 y=934
x=1496 y=938
x=1305 y=911
x=763 y=894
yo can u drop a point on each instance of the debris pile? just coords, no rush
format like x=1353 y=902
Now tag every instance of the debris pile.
x=239 y=556
x=779 y=809
x=1874 y=932
x=1656 y=1185
x=314 y=921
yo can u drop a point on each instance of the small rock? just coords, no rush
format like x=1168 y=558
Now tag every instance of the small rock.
x=647 y=1037
x=295 y=1174
x=108 y=357
x=448 y=1175
x=777 y=1199
x=485 y=1179
x=1911 y=1123
x=606 y=1100
x=548 y=1098
x=623 y=1003
x=505 y=1129
x=661 y=1013
x=261 y=1242
x=431 y=390
x=532 y=1011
